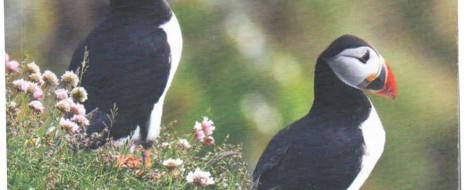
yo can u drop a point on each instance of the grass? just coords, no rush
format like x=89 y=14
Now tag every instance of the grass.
x=42 y=154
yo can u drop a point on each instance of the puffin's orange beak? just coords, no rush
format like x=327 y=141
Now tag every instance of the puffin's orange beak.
x=384 y=83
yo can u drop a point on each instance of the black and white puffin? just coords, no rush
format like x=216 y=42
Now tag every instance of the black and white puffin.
x=133 y=56
x=337 y=144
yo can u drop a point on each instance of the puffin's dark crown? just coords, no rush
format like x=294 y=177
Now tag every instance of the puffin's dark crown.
x=342 y=43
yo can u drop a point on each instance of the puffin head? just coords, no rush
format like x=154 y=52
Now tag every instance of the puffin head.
x=359 y=65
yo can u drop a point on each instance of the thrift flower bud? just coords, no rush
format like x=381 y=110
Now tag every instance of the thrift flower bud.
x=33 y=68
x=68 y=125
x=37 y=78
x=12 y=66
x=78 y=109
x=50 y=78
x=37 y=106
x=70 y=78
x=80 y=119
x=61 y=94
x=63 y=106
x=21 y=85
x=79 y=94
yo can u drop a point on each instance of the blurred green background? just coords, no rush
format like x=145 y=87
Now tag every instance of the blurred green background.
x=249 y=66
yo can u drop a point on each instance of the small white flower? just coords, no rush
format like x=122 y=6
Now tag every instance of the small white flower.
x=164 y=144
x=79 y=94
x=184 y=143
x=13 y=104
x=200 y=177
x=50 y=130
x=50 y=78
x=33 y=68
x=172 y=163
x=70 y=78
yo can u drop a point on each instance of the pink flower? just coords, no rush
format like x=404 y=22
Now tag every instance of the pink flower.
x=77 y=108
x=50 y=78
x=198 y=131
x=204 y=130
x=207 y=126
x=36 y=106
x=32 y=67
x=61 y=94
x=32 y=87
x=70 y=78
x=68 y=125
x=200 y=177
x=12 y=66
x=21 y=85
x=38 y=93
x=80 y=119
x=63 y=105
x=36 y=77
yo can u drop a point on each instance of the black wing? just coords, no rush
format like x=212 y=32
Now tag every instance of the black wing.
x=129 y=65
x=310 y=154
x=271 y=156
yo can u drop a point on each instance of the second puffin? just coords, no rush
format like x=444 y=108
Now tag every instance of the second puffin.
x=337 y=144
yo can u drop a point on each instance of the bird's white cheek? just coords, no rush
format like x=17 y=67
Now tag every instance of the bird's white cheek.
x=349 y=70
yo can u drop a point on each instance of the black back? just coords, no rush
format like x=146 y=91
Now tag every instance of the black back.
x=129 y=64
x=323 y=150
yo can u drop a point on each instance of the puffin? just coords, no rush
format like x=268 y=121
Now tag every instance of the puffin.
x=338 y=142
x=133 y=55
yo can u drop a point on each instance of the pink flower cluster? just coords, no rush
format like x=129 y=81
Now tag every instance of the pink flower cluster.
x=28 y=87
x=69 y=100
x=68 y=105
x=203 y=131
x=11 y=65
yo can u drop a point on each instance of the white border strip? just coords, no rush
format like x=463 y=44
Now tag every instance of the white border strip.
x=3 y=148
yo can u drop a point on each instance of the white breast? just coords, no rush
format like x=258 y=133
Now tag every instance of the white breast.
x=374 y=137
x=174 y=35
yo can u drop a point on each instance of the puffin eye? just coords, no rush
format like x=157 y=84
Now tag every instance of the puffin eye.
x=365 y=57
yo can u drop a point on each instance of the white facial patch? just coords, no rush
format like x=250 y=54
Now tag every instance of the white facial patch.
x=351 y=67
